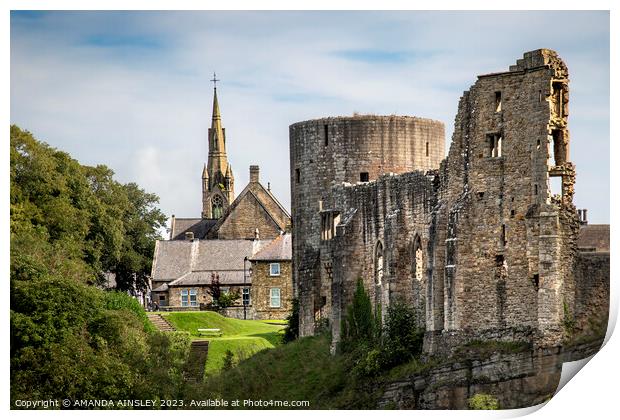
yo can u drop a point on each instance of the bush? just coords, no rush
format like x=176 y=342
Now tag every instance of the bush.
x=402 y=338
x=228 y=360
x=291 y=332
x=360 y=325
x=483 y=402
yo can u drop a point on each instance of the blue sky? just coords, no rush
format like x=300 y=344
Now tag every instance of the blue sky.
x=131 y=90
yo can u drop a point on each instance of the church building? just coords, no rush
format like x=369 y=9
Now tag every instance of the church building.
x=222 y=246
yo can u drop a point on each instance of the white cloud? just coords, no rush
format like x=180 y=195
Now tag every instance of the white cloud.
x=132 y=90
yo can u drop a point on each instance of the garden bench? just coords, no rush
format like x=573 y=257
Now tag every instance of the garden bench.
x=207 y=331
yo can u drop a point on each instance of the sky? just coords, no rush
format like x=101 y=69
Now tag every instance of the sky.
x=132 y=90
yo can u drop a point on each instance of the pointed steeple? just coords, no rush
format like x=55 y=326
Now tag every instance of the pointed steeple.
x=217 y=175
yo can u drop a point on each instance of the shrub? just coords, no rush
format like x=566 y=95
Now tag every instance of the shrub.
x=402 y=338
x=291 y=332
x=359 y=325
x=228 y=360
x=483 y=402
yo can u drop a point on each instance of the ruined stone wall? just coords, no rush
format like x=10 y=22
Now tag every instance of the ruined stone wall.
x=591 y=308
x=392 y=211
x=497 y=243
x=329 y=151
x=502 y=241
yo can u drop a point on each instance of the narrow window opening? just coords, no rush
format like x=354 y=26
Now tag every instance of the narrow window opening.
x=559 y=148
x=480 y=195
x=538 y=144
x=379 y=264
x=427 y=149
x=555 y=184
x=297 y=175
x=540 y=96
x=558 y=98
x=498 y=101
x=512 y=213
x=494 y=142
x=536 y=280
x=364 y=177
x=326 y=134
x=535 y=189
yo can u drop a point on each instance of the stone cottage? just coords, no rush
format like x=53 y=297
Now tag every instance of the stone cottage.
x=221 y=244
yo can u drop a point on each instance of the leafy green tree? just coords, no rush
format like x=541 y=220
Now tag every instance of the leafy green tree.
x=359 y=325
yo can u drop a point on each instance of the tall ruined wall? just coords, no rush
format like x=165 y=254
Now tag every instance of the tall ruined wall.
x=329 y=151
x=504 y=243
x=391 y=213
x=483 y=247
x=591 y=310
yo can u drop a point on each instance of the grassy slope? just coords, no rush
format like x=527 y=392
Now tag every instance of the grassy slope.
x=302 y=370
x=243 y=337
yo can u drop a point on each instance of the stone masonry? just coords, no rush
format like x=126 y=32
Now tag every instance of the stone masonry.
x=481 y=243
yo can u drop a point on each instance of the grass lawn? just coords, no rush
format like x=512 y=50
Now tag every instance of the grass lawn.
x=243 y=337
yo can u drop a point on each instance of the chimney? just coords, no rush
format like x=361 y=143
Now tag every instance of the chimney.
x=254 y=170
x=189 y=236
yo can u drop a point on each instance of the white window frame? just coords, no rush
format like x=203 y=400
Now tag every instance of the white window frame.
x=225 y=289
x=272 y=297
x=184 y=297
x=193 y=294
x=246 y=291
x=271 y=271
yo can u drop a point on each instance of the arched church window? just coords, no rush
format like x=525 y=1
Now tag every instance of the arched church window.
x=217 y=206
x=418 y=259
x=379 y=264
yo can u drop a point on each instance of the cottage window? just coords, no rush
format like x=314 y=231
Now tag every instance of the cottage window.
x=184 y=297
x=274 y=269
x=246 y=296
x=224 y=290
x=274 y=297
x=192 y=298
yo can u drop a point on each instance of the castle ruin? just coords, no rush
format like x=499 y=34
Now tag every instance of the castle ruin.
x=482 y=243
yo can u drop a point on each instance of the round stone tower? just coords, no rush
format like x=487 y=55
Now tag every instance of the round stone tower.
x=330 y=151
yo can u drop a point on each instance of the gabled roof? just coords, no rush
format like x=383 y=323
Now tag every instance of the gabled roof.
x=175 y=259
x=272 y=207
x=280 y=249
x=199 y=227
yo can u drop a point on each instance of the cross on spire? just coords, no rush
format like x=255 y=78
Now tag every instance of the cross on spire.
x=215 y=80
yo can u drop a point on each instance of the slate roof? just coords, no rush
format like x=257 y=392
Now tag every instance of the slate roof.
x=280 y=249
x=193 y=262
x=198 y=226
x=594 y=238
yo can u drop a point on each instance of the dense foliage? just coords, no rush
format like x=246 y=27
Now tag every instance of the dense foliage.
x=77 y=220
x=376 y=346
x=69 y=339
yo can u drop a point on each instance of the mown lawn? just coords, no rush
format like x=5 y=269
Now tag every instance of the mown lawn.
x=243 y=337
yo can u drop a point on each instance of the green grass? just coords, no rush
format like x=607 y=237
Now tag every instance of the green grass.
x=301 y=370
x=243 y=337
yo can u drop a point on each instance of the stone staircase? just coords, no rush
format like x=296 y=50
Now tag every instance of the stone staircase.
x=195 y=366
x=160 y=322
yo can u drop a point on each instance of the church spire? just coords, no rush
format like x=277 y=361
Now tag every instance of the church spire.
x=217 y=176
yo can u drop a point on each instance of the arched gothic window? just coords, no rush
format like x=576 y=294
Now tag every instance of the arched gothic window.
x=379 y=264
x=217 y=206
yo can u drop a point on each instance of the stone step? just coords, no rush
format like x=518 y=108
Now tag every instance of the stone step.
x=160 y=322
x=195 y=365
